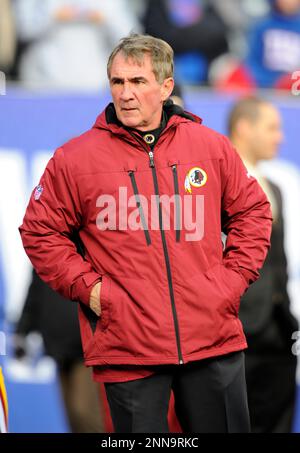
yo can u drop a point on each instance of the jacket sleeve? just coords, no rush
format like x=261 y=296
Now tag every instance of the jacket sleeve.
x=52 y=217
x=246 y=217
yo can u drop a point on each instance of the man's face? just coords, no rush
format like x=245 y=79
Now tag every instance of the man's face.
x=137 y=96
x=265 y=134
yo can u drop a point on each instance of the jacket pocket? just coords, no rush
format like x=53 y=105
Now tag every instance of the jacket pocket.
x=91 y=317
x=104 y=318
x=229 y=283
x=94 y=320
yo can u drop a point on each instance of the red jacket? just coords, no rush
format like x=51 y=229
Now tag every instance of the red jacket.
x=165 y=298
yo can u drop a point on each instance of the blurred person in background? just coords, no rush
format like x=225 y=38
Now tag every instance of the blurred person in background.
x=239 y=15
x=177 y=96
x=7 y=36
x=49 y=314
x=194 y=29
x=271 y=55
x=68 y=41
x=255 y=129
x=274 y=45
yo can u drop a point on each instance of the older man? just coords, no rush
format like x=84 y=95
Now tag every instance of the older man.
x=127 y=221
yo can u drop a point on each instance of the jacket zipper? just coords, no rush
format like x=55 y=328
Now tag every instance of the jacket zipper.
x=164 y=242
x=166 y=255
x=177 y=204
x=138 y=203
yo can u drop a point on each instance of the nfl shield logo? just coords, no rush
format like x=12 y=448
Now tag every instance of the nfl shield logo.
x=38 y=192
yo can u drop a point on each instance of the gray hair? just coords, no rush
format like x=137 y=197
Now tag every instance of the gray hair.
x=135 y=47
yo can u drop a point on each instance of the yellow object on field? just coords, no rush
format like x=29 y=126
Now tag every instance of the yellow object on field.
x=3 y=405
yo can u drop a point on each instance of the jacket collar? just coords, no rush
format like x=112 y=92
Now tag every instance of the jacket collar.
x=175 y=115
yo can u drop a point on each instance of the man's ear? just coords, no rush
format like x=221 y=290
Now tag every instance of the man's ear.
x=167 y=88
x=243 y=128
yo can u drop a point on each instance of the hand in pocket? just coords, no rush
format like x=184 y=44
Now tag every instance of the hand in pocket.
x=95 y=304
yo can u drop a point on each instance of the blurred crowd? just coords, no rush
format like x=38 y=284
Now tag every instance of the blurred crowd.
x=232 y=45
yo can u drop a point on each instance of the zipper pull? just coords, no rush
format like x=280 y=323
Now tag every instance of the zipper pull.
x=151 y=157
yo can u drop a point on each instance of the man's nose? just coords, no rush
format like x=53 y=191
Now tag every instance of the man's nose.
x=126 y=93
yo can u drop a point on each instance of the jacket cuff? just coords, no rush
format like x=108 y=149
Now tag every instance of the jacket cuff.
x=248 y=276
x=82 y=288
x=239 y=272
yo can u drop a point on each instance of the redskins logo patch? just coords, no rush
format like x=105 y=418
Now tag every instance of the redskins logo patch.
x=149 y=138
x=196 y=177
